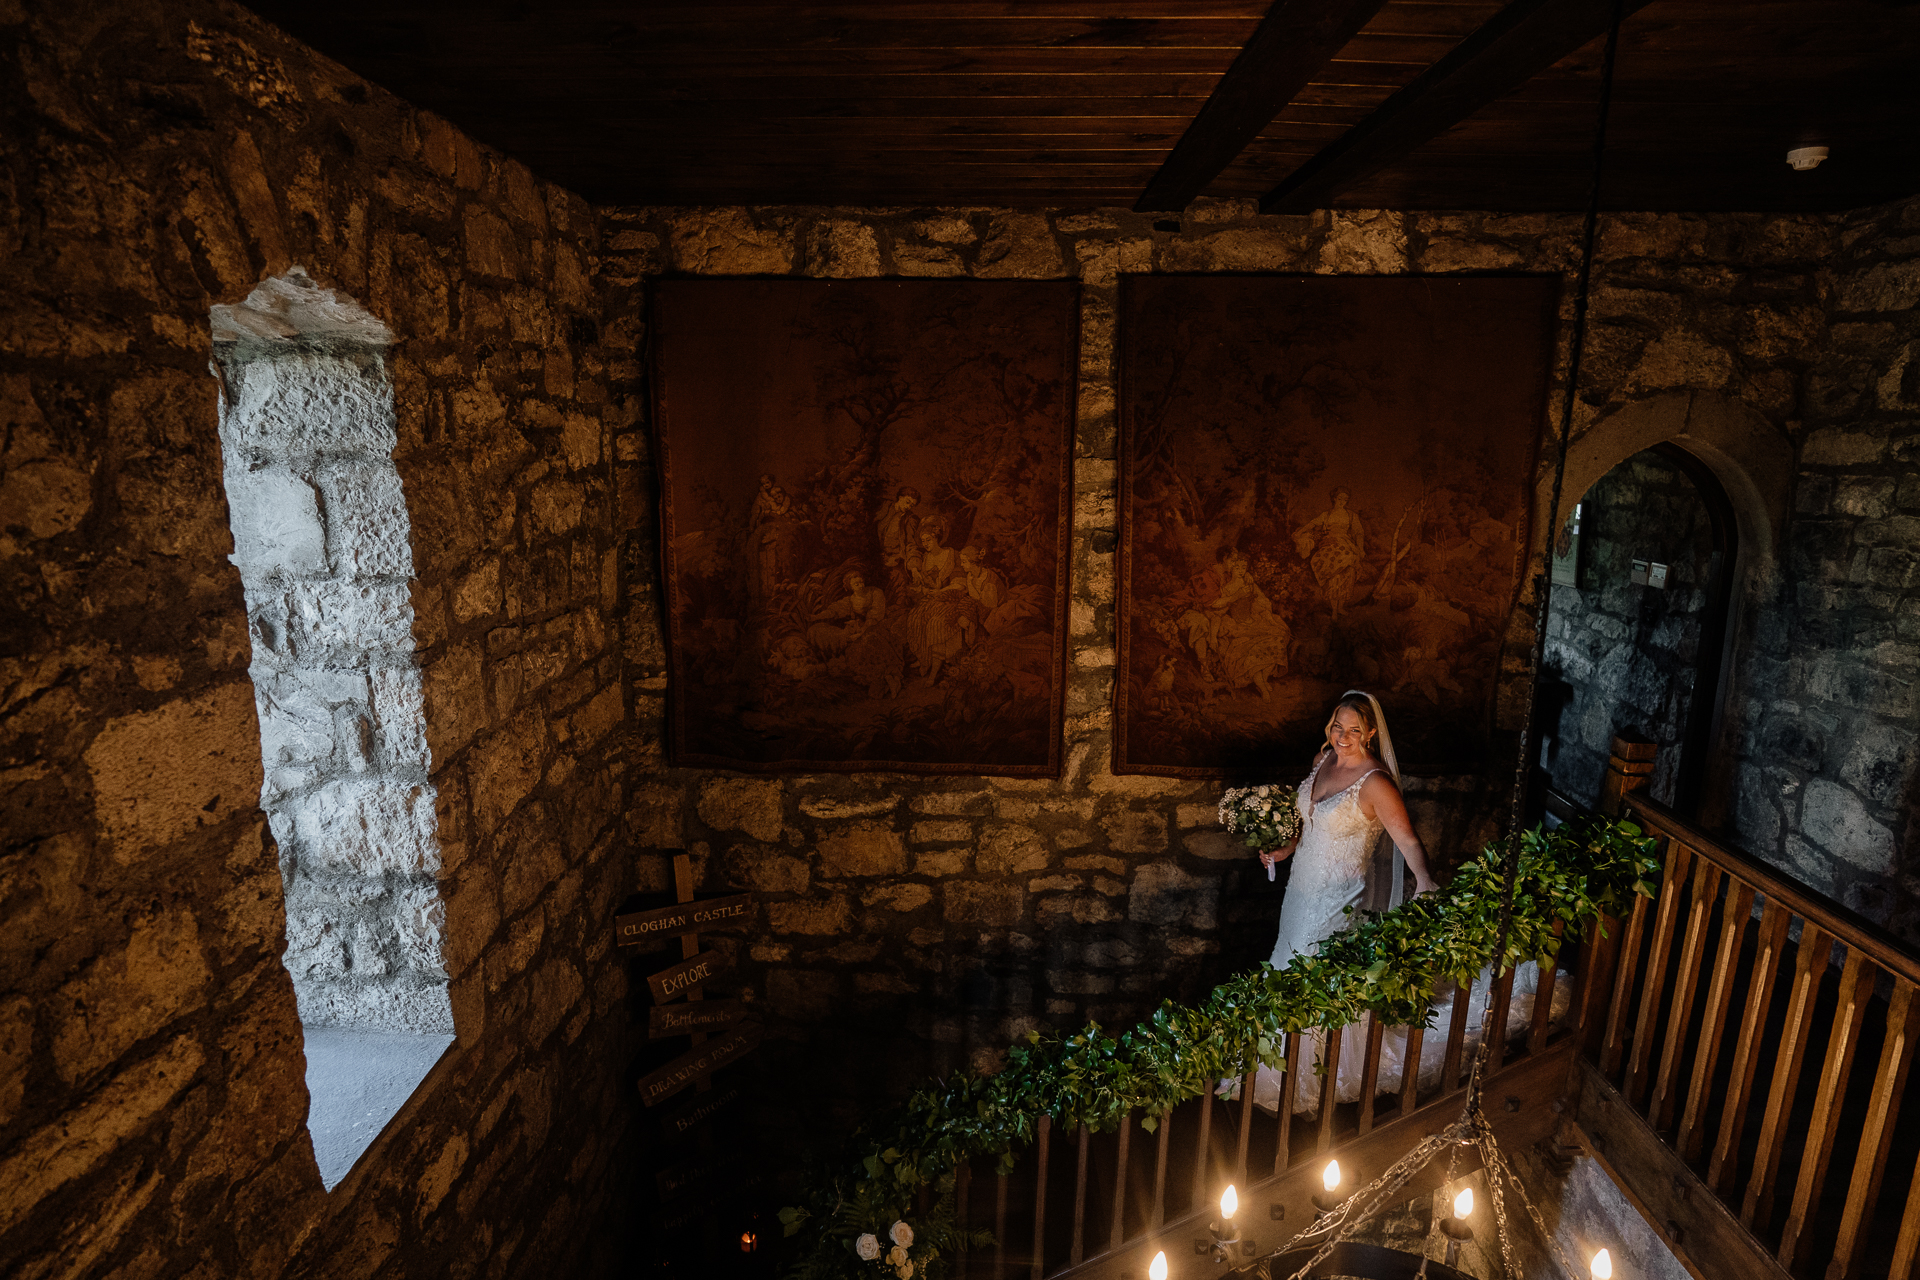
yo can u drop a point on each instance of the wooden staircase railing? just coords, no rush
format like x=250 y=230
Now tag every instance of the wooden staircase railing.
x=1739 y=1006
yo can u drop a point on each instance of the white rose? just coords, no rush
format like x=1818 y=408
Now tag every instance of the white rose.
x=904 y=1271
x=867 y=1246
x=898 y=1257
x=902 y=1235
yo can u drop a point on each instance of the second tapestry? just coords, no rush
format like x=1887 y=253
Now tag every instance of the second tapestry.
x=1325 y=484
x=865 y=489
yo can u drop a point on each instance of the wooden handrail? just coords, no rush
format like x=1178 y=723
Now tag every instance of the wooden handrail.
x=1846 y=926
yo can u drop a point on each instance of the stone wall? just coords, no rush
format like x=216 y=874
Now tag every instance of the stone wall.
x=161 y=159
x=1619 y=656
x=1830 y=787
x=927 y=921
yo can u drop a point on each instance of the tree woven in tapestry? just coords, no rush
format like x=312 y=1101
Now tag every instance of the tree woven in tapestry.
x=865 y=501
x=1325 y=485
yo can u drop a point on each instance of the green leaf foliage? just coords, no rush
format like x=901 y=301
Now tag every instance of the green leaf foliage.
x=1384 y=963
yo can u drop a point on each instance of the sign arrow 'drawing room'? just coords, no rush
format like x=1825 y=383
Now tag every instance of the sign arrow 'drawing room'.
x=644 y=928
x=702 y=1060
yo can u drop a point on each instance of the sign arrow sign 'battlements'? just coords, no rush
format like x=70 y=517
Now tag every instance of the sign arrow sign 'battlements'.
x=642 y=928
x=677 y=980
x=681 y=1019
x=703 y=1060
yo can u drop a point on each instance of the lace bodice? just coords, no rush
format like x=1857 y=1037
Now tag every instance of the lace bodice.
x=1336 y=841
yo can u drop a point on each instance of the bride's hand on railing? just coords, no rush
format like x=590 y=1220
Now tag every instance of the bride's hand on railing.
x=1425 y=885
x=1270 y=856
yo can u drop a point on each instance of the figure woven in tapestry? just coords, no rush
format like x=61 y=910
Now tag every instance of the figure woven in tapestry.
x=1324 y=484
x=865 y=509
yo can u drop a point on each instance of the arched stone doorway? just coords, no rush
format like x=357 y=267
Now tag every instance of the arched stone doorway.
x=1637 y=627
x=1726 y=475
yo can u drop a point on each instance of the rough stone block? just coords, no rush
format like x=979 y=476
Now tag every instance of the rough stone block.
x=162 y=774
x=752 y=805
x=129 y=994
x=941 y=832
x=1216 y=846
x=1136 y=831
x=275 y=516
x=834 y=807
x=1011 y=850
x=371 y=827
x=974 y=902
x=367 y=526
x=1837 y=820
x=1163 y=894
x=950 y=863
x=1080 y=908
x=863 y=849
x=831 y=916
x=295 y=404
x=340 y=623
x=766 y=869
x=901 y=897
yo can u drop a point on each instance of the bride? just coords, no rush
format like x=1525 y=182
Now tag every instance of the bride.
x=1349 y=799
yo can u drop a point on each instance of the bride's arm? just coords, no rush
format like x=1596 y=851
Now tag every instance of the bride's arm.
x=1383 y=800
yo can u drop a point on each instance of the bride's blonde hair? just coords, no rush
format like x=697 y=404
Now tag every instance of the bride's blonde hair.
x=1361 y=703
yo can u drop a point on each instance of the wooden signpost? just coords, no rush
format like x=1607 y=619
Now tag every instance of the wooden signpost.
x=680 y=1004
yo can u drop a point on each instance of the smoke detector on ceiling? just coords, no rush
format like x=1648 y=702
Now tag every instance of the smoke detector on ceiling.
x=1804 y=158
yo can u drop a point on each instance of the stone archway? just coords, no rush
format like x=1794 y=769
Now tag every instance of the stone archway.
x=1752 y=461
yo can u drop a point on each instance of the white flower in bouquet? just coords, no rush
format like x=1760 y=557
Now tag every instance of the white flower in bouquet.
x=868 y=1247
x=898 y=1257
x=904 y=1271
x=902 y=1235
x=1264 y=817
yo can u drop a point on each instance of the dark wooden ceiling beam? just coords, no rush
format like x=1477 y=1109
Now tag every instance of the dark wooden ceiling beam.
x=1516 y=44
x=1291 y=45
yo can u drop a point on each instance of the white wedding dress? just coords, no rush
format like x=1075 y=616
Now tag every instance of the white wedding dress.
x=1330 y=866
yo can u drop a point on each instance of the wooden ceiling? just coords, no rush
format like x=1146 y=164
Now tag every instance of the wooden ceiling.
x=1415 y=104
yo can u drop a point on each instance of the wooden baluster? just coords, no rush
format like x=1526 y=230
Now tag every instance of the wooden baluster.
x=1246 y=1128
x=1856 y=989
x=1043 y=1131
x=1501 y=998
x=1202 y=1175
x=1410 y=1070
x=1456 y=1039
x=1329 y=1087
x=1769 y=942
x=1119 y=1231
x=1706 y=887
x=1080 y=1203
x=1593 y=984
x=1159 y=1217
x=1666 y=915
x=1613 y=1043
x=1906 y=1246
x=1289 y=1084
x=1876 y=1136
x=1000 y=1226
x=1370 y=1071
x=1809 y=965
x=962 y=1183
x=1713 y=1023
x=1543 y=997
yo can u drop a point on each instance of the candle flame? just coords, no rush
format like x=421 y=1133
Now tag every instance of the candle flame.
x=1229 y=1203
x=1331 y=1178
x=1158 y=1271
x=1603 y=1266
x=1463 y=1203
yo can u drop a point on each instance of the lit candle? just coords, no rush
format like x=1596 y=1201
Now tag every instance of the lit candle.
x=1463 y=1203
x=1229 y=1204
x=1331 y=1178
x=1158 y=1271
x=1602 y=1266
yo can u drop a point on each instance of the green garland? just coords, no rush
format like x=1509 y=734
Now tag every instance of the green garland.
x=1386 y=963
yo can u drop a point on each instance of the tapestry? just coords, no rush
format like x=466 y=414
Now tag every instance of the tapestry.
x=866 y=492
x=1325 y=485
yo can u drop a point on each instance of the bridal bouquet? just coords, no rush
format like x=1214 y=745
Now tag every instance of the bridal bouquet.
x=1266 y=817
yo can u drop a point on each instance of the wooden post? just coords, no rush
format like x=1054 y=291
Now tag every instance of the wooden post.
x=1627 y=771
